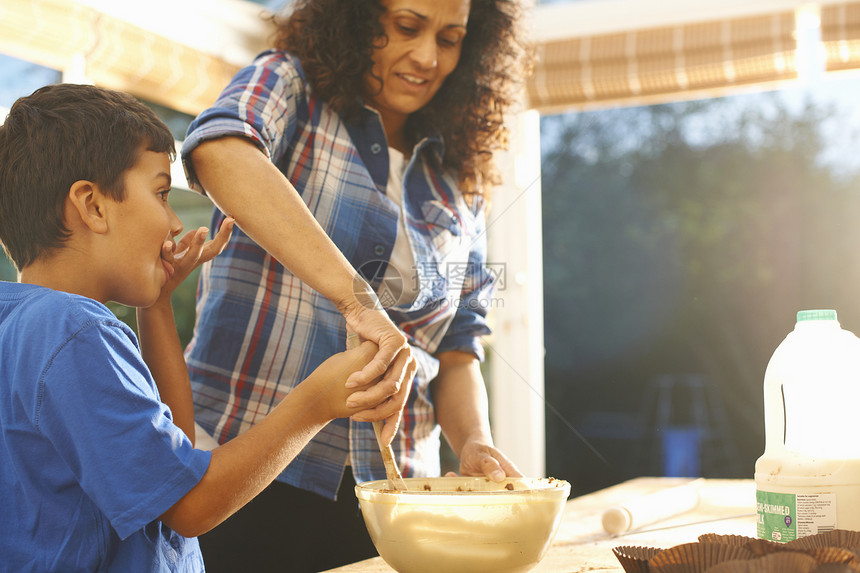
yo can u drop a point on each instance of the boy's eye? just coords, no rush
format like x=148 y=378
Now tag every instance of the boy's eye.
x=163 y=194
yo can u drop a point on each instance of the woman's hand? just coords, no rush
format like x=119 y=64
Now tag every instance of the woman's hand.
x=480 y=459
x=393 y=362
x=462 y=410
x=391 y=409
x=191 y=251
x=365 y=317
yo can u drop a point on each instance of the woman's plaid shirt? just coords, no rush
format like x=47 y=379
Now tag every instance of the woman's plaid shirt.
x=260 y=330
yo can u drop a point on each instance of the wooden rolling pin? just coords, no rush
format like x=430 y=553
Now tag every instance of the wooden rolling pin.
x=395 y=480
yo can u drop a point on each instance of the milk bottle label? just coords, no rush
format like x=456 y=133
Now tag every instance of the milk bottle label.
x=788 y=516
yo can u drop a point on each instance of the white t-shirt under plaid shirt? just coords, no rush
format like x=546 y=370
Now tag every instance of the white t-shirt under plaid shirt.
x=260 y=330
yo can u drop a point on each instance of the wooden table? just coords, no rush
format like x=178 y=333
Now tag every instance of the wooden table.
x=581 y=545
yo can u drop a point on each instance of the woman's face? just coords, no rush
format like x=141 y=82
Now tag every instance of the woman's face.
x=424 y=39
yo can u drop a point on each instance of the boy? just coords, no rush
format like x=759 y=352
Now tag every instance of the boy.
x=98 y=470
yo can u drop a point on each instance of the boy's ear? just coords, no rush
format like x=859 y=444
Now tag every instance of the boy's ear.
x=89 y=203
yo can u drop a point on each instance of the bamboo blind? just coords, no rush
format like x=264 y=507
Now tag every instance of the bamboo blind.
x=116 y=54
x=840 y=36
x=646 y=64
x=622 y=68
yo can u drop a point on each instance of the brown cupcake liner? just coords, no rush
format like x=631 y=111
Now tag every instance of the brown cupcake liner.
x=843 y=538
x=780 y=562
x=635 y=559
x=696 y=557
x=734 y=566
x=825 y=555
x=835 y=551
x=762 y=547
x=786 y=561
x=679 y=568
x=837 y=568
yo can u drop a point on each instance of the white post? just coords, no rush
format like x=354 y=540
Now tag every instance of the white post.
x=516 y=349
x=76 y=71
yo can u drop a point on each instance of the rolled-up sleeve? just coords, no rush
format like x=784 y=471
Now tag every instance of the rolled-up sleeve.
x=260 y=104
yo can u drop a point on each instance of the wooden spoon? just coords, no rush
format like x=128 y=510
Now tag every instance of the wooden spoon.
x=395 y=480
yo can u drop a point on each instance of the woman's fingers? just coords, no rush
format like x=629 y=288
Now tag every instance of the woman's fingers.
x=391 y=408
x=482 y=459
x=394 y=354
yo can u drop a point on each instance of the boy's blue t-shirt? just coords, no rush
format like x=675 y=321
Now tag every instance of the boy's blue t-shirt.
x=89 y=455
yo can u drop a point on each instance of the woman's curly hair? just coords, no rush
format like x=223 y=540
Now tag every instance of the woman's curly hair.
x=334 y=41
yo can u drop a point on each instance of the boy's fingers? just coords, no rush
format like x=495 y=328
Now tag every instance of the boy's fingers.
x=374 y=369
x=380 y=411
x=361 y=354
x=386 y=401
x=395 y=374
x=372 y=397
x=391 y=358
x=388 y=392
x=198 y=243
x=167 y=251
x=185 y=245
x=199 y=249
x=214 y=247
x=368 y=350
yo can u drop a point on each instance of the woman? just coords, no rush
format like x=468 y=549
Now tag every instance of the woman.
x=364 y=141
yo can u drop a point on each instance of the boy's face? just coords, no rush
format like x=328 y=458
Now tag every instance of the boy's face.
x=141 y=224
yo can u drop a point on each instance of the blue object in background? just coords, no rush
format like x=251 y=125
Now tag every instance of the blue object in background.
x=681 y=451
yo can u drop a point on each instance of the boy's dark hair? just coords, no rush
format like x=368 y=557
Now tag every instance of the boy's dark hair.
x=56 y=136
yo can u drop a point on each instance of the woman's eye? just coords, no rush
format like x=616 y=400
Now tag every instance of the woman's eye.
x=406 y=29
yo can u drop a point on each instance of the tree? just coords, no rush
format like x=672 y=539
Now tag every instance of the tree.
x=682 y=239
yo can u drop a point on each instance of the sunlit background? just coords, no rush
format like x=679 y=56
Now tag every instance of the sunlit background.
x=681 y=231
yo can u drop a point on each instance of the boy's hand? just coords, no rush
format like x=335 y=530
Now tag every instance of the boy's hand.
x=383 y=400
x=328 y=381
x=193 y=250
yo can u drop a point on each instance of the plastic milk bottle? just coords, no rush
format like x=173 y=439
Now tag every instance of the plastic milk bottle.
x=808 y=479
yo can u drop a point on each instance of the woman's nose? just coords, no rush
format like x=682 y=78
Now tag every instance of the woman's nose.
x=426 y=52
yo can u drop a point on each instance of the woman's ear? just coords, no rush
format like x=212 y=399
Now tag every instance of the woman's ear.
x=88 y=204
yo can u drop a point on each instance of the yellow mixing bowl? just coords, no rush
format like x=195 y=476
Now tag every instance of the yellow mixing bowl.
x=463 y=524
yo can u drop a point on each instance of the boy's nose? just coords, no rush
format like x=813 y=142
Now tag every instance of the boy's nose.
x=175 y=224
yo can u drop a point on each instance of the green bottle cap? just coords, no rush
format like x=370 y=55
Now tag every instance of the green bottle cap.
x=816 y=315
